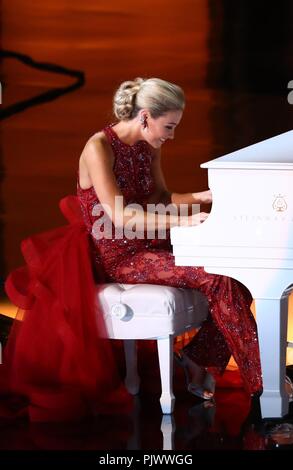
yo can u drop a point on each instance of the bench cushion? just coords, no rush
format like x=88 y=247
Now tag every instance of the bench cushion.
x=141 y=311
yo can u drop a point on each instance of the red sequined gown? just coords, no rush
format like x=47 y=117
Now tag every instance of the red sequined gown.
x=231 y=328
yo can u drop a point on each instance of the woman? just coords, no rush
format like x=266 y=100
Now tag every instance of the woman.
x=53 y=359
x=122 y=163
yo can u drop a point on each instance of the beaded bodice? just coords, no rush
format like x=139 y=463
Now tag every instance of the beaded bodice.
x=132 y=169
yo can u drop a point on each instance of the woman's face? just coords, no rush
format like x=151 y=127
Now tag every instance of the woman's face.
x=162 y=128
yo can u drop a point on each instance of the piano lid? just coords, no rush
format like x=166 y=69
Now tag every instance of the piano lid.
x=270 y=154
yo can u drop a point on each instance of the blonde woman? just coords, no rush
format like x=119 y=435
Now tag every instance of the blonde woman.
x=122 y=163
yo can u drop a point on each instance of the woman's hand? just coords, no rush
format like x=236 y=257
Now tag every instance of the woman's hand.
x=194 y=219
x=203 y=197
x=197 y=219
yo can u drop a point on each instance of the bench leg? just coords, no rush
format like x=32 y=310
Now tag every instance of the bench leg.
x=132 y=380
x=165 y=352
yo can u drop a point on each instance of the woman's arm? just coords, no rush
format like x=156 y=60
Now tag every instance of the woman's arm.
x=164 y=196
x=97 y=158
x=202 y=197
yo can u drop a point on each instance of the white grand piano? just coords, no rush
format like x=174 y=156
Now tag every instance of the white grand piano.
x=249 y=236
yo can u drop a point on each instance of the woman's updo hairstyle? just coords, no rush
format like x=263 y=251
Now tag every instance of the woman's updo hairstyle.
x=154 y=94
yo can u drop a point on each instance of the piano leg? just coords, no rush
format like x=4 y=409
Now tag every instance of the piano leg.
x=272 y=318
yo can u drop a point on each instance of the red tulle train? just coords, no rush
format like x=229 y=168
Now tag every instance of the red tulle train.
x=58 y=364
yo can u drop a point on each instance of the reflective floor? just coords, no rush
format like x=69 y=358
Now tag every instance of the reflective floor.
x=194 y=426
x=233 y=422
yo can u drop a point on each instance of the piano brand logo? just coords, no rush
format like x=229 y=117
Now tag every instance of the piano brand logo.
x=280 y=204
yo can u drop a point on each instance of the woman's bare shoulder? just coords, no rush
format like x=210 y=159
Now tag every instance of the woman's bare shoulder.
x=97 y=145
x=97 y=151
x=98 y=139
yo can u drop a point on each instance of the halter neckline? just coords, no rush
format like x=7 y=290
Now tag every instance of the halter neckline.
x=115 y=135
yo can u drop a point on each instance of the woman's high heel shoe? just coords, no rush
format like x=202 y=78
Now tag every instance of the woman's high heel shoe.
x=199 y=381
x=289 y=388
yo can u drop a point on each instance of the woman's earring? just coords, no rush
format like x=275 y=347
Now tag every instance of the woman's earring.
x=143 y=121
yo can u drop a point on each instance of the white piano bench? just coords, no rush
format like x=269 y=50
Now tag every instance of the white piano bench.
x=147 y=311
